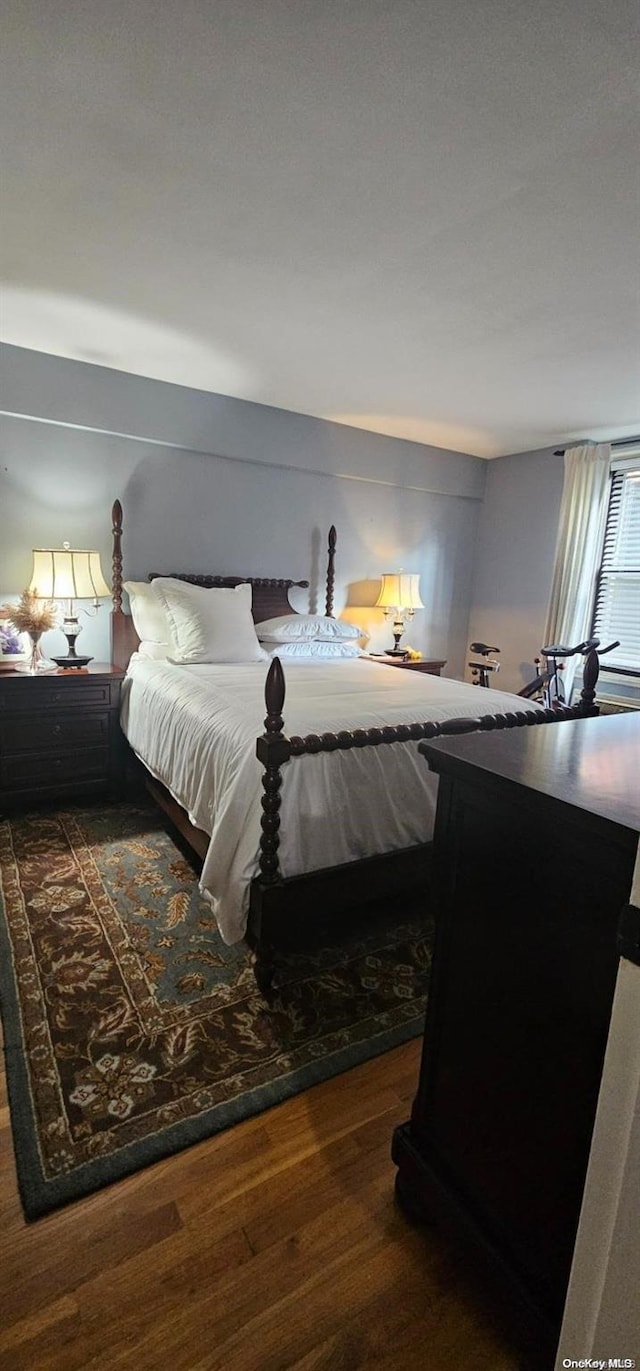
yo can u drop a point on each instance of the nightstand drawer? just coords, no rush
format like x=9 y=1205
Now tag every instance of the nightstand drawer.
x=51 y=769
x=53 y=732
x=59 y=692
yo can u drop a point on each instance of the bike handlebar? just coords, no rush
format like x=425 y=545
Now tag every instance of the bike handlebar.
x=560 y=651
x=590 y=644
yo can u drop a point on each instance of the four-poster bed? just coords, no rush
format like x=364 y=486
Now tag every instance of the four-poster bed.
x=374 y=717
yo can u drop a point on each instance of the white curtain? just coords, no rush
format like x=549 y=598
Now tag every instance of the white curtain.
x=583 y=513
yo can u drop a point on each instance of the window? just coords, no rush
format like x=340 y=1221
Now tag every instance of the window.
x=617 y=602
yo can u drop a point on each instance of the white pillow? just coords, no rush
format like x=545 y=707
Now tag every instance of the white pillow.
x=148 y=614
x=208 y=625
x=154 y=652
x=295 y=628
x=314 y=651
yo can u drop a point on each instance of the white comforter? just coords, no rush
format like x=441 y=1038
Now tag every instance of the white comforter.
x=195 y=728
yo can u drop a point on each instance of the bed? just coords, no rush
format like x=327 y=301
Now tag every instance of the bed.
x=337 y=808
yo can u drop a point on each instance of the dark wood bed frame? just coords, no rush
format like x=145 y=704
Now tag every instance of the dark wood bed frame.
x=276 y=902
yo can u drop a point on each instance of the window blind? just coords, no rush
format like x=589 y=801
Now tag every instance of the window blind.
x=617 y=600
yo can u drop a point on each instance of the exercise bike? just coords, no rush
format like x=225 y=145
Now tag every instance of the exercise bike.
x=547 y=686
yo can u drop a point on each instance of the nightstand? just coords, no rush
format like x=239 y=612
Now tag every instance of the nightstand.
x=60 y=735
x=431 y=667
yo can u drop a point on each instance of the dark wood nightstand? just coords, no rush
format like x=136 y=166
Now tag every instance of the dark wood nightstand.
x=431 y=667
x=60 y=735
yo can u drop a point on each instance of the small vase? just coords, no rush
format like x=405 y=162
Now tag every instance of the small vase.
x=36 y=659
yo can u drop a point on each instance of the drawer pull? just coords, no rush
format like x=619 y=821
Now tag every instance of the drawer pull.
x=57 y=728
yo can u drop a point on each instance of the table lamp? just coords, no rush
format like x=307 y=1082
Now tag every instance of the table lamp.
x=70 y=574
x=400 y=596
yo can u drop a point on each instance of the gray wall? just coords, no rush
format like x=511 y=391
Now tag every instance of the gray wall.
x=212 y=483
x=514 y=559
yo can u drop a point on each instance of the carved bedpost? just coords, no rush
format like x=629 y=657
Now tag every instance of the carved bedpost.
x=331 y=571
x=272 y=749
x=590 y=674
x=124 y=639
x=116 y=584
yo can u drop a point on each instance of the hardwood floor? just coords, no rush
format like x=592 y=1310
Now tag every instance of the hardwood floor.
x=276 y=1246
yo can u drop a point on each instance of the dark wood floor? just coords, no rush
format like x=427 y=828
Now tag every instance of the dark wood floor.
x=276 y=1245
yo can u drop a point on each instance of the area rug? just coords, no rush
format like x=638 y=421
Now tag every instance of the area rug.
x=132 y=1031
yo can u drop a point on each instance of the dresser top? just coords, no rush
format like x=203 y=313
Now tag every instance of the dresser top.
x=592 y=764
x=22 y=674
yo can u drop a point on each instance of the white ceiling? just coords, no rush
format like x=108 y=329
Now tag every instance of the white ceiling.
x=416 y=216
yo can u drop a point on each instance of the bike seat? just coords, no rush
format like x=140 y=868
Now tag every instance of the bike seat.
x=482 y=648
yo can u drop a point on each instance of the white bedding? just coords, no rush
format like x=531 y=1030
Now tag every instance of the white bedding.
x=195 y=728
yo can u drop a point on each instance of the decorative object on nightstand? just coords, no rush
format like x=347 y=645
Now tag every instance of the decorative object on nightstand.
x=400 y=596
x=31 y=617
x=68 y=573
x=14 y=645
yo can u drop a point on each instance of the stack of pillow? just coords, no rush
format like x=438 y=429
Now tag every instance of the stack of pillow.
x=309 y=637
x=188 y=624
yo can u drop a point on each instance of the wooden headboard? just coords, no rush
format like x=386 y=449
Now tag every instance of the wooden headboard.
x=270 y=594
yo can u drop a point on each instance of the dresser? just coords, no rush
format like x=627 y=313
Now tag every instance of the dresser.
x=60 y=735
x=534 y=846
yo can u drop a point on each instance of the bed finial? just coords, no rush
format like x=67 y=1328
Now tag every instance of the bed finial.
x=116 y=584
x=274 y=697
x=330 y=571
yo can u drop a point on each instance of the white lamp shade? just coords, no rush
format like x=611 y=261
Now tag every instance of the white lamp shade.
x=400 y=590
x=67 y=574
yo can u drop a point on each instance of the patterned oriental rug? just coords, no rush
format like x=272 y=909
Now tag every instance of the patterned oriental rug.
x=131 y=1031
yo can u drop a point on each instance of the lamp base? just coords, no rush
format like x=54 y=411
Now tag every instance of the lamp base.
x=396 y=652
x=72 y=662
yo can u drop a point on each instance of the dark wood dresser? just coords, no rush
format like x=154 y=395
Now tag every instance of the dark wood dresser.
x=535 y=840
x=60 y=736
